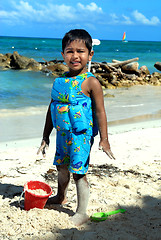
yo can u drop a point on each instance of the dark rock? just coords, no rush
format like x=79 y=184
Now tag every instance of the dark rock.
x=4 y=61
x=157 y=75
x=102 y=81
x=58 y=67
x=108 y=95
x=144 y=70
x=34 y=66
x=130 y=68
x=3 y=58
x=8 y=55
x=21 y=62
x=157 y=65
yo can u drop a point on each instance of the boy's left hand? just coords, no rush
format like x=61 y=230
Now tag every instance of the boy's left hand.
x=43 y=148
x=105 y=147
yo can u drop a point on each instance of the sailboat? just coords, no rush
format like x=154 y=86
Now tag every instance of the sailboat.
x=124 y=37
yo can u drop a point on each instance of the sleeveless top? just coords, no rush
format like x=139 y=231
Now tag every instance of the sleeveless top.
x=71 y=109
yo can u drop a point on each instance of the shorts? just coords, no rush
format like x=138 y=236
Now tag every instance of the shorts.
x=74 y=150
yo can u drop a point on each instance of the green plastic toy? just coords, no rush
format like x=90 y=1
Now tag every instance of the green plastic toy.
x=102 y=216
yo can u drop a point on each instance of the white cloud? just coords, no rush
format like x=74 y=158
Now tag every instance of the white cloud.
x=27 y=11
x=49 y=13
x=3 y=14
x=10 y=18
x=127 y=20
x=114 y=18
x=123 y=19
x=91 y=7
x=24 y=7
x=139 y=17
x=54 y=13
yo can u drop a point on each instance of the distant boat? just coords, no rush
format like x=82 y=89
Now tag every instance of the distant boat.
x=124 y=37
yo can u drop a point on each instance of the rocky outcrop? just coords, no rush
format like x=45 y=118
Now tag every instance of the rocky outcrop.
x=21 y=62
x=16 y=61
x=111 y=75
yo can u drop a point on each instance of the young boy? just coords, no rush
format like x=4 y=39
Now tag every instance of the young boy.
x=77 y=99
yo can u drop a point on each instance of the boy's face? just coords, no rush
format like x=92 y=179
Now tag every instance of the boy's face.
x=76 y=56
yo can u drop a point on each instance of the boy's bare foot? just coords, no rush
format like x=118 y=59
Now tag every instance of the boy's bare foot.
x=78 y=219
x=56 y=200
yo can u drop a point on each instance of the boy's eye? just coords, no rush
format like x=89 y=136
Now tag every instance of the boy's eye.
x=80 y=51
x=69 y=51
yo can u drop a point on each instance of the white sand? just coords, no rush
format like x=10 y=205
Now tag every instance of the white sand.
x=132 y=182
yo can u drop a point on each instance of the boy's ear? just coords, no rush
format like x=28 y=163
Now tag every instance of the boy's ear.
x=91 y=55
x=62 y=54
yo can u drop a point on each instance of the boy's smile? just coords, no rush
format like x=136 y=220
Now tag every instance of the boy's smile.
x=76 y=56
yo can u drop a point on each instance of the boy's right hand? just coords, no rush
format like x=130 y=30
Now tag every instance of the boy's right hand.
x=44 y=146
x=105 y=147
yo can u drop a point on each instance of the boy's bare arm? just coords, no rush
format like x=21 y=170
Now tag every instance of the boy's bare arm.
x=48 y=125
x=97 y=95
x=46 y=133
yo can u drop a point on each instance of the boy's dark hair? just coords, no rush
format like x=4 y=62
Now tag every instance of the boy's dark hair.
x=77 y=34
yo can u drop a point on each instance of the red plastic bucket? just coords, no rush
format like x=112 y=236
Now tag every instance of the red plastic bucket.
x=33 y=200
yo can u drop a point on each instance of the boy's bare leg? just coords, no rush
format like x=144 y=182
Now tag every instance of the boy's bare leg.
x=63 y=181
x=82 y=187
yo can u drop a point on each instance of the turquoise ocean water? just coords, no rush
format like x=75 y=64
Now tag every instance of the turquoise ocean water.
x=23 y=89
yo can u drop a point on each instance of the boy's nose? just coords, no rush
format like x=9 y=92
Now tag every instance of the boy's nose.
x=75 y=54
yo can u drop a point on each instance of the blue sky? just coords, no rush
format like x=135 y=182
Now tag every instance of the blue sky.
x=105 y=19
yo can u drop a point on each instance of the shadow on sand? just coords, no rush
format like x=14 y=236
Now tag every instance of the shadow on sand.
x=10 y=190
x=135 y=224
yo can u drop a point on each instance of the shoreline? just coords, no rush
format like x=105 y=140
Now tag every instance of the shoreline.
x=28 y=123
x=123 y=106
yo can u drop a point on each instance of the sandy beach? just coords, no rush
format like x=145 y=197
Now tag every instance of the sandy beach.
x=131 y=182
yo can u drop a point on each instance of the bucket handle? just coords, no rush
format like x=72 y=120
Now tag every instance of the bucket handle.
x=21 y=206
